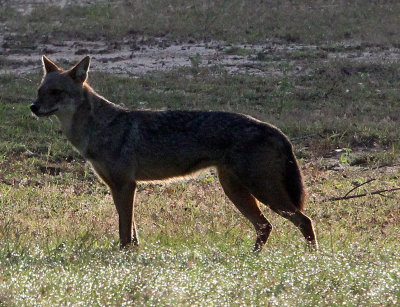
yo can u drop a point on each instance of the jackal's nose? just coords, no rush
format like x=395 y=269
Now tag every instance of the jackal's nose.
x=34 y=108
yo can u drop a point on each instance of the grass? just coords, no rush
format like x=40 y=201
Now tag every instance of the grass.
x=233 y=21
x=212 y=277
x=59 y=246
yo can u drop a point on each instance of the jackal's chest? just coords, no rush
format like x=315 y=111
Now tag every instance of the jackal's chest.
x=80 y=145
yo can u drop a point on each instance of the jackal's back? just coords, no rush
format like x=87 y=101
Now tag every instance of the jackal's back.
x=173 y=143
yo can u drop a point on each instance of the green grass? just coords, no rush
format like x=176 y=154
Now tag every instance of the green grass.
x=59 y=246
x=192 y=275
x=232 y=21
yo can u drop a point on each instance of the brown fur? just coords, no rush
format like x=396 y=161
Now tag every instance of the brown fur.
x=254 y=160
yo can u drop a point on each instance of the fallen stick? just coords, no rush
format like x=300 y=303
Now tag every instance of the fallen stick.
x=368 y=181
x=361 y=195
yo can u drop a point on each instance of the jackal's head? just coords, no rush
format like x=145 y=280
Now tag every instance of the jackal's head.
x=60 y=90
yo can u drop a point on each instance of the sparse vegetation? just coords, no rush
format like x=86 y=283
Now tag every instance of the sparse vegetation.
x=58 y=227
x=232 y=21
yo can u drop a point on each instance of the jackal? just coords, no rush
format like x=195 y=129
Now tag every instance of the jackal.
x=254 y=160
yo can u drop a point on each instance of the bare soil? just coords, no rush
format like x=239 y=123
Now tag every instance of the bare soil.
x=132 y=57
x=128 y=57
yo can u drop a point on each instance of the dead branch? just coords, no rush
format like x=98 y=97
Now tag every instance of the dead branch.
x=356 y=187
x=361 y=195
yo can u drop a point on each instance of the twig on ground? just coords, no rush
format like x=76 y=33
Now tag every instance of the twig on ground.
x=362 y=195
x=356 y=187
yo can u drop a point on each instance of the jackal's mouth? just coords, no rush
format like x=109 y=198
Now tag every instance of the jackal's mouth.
x=40 y=114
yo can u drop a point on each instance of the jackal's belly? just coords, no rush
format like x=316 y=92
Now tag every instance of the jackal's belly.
x=167 y=168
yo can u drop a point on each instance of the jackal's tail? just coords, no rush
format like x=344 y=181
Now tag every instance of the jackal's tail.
x=293 y=181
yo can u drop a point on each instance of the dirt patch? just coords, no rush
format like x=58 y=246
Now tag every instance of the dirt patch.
x=131 y=57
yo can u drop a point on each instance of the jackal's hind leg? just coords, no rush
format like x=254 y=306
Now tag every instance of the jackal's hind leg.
x=247 y=205
x=277 y=199
x=304 y=223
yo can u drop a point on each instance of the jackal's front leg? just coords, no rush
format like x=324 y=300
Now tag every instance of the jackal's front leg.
x=123 y=196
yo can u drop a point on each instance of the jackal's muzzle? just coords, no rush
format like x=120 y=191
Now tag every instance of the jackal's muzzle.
x=35 y=108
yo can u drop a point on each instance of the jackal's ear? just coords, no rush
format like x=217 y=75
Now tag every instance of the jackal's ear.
x=49 y=65
x=79 y=72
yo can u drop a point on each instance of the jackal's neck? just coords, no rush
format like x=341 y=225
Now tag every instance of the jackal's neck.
x=74 y=117
x=89 y=113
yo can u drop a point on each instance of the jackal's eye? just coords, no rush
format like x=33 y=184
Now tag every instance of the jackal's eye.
x=55 y=92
